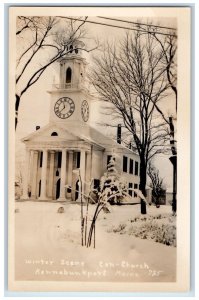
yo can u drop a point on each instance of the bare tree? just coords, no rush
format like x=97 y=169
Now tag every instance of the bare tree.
x=157 y=185
x=132 y=77
x=168 y=44
x=41 y=41
x=170 y=62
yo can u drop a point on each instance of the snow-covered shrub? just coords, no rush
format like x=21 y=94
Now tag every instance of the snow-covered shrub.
x=112 y=188
x=94 y=197
x=158 y=217
x=160 y=233
x=160 y=228
x=118 y=229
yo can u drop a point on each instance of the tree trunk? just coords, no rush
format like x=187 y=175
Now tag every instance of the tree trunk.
x=143 y=170
x=173 y=160
x=17 y=109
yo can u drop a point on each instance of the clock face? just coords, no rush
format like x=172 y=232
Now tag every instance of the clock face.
x=85 y=111
x=64 y=107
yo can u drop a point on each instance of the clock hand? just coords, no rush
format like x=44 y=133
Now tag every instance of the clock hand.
x=63 y=108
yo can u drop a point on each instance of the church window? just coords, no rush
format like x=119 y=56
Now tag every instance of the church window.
x=130 y=187
x=135 y=187
x=59 y=159
x=76 y=51
x=136 y=168
x=68 y=75
x=41 y=159
x=125 y=162
x=131 y=166
x=109 y=157
x=71 y=48
x=96 y=184
x=78 y=160
x=54 y=134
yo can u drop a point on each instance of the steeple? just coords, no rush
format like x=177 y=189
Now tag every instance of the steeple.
x=70 y=99
x=72 y=67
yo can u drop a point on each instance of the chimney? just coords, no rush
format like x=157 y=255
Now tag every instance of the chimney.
x=37 y=127
x=119 y=133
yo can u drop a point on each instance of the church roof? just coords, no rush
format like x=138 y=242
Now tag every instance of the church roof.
x=83 y=132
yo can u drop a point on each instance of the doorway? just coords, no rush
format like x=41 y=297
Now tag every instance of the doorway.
x=58 y=189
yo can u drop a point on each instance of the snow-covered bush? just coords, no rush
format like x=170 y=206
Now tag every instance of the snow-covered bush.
x=118 y=229
x=160 y=228
x=112 y=188
x=167 y=216
x=160 y=233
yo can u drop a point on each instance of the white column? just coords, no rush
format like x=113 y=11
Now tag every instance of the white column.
x=63 y=176
x=26 y=175
x=43 y=175
x=34 y=175
x=51 y=174
x=82 y=170
x=70 y=170
x=88 y=170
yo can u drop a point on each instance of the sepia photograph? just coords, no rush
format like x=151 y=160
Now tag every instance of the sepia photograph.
x=99 y=106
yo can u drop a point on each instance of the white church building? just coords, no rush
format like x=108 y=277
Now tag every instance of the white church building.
x=68 y=144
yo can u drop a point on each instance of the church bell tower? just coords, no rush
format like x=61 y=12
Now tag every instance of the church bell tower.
x=70 y=99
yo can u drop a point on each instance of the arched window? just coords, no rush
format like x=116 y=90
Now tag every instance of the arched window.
x=68 y=75
x=54 y=134
x=71 y=48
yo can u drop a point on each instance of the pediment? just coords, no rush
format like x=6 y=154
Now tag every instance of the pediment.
x=51 y=132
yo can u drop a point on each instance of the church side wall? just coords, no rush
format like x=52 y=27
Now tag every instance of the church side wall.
x=97 y=164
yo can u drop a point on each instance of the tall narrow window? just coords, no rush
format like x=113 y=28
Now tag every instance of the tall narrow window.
x=130 y=187
x=71 y=48
x=131 y=166
x=109 y=157
x=78 y=160
x=41 y=159
x=125 y=161
x=59 y=160
x=135 y=187
x=136 y=168
x=96 y=184
x=68 y=75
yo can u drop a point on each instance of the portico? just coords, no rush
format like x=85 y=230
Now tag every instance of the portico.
x=50 y=171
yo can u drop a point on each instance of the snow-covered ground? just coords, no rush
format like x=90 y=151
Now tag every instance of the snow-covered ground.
x=48 y=246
